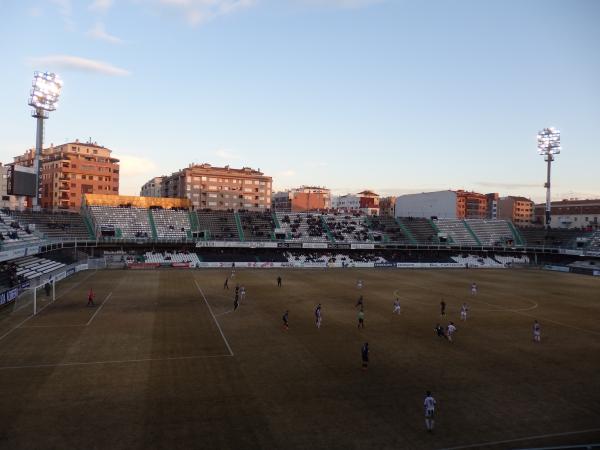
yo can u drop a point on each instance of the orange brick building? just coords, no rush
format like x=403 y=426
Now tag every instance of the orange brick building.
x=71 y=170
x=302 y=199
x=517 y=209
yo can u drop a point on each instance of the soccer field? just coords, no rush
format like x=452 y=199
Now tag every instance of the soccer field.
x=162 y=361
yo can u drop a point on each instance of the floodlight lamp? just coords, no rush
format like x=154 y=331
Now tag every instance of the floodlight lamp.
x=45 y=91
x=549 y=141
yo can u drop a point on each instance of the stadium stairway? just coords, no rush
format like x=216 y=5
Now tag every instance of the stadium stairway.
x=194 y=225
x=152 y=225
x=327 y=229
x=238 y=224
x=437 y=231
x=470 y=230
x=517 y=236
x=407 y=232
x=276 y=220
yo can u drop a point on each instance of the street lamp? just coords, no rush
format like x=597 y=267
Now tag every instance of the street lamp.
x=548 y=144
x=43 y=98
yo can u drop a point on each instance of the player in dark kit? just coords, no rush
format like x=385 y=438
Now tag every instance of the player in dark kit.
x=91 y=296
x=442 y=308
x=226 y=284
x=360 y=302
x=439 y=330
x=286 y=325
x=278 y=281
x=47 y=289
x=364 y=353
x=236 y=301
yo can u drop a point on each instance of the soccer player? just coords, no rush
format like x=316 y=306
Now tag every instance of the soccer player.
x=364 y=353
x=318 y=315
x=439 y=330
x=236 y=301
x=397 y=306
x=359 y=284
x=242 y=293
x=537 y=331
x=442 y=308
x=279 y=281
x=359 y=302
x=473 y=289
x=450 y=329
x=285 y=318
x=237 y=290
x=429 y=405
x=464 y=309
x=47 y=288
x=91 y=296
x=361 y=318
x=226 y=284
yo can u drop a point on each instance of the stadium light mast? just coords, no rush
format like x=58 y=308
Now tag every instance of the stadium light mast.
x=43 y=98
x=548 y=144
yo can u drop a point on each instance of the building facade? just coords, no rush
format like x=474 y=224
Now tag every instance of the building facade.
x=302 y=199
x=517 y=209
x=582 y=214
x=365 y=202
x=387 y=206
x=153 y=187
x=219 y=188
x=71 y=170
x=447 y=205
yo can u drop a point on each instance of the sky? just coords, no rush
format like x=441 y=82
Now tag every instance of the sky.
x=390 y=95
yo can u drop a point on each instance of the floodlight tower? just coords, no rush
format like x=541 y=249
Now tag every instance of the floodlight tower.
x=548 y=144
x=43 y=98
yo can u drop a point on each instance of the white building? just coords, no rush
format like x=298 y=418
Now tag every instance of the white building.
x=441 y=204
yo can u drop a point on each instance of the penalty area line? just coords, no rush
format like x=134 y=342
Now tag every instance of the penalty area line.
x=526 y=438
x=99 y=308
x=214 y=318
x=116 y=361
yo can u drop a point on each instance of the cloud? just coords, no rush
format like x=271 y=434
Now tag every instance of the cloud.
x=287 y=173
x=505 y=185
x=226 y=154
x=101 y=5
x=135 y=171
x=35 y=11
x=79 y=64
x=98 y=32
x=197 y=12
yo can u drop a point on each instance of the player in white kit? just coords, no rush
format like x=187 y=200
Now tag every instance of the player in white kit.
x=397 y=306
x=473 y=289
x=464 y=309
x=450 y=329
x=537 y=331
x=429 y=405
x=359 y=284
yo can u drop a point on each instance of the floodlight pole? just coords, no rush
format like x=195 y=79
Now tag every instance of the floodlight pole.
x=39 y=114
x=549 y=159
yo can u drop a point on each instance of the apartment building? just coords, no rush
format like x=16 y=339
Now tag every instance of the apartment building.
x=210 y=187
x=302 y=199
x=515 y=208
x=71 y=170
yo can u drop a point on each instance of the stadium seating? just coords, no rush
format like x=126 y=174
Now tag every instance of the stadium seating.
x=257 y=225
x=560 y=238
x=594 y=244
x=129 y=222
x=171 y=257
x=347 y=228
x=386 y=229
x=54 y=225
x=456 y=231
x=491 y=232
x=13 y=232
x=218 y=225
x=32 y=267
x=303 y=227
x=421 y=230
x=171 y=224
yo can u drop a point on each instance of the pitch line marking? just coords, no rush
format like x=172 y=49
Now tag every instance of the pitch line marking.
x=48 y=304
x=117 y=361
x=223 y=313
x=214 y=318
x=499 y=309
x=98 y=310
x=539 y=436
